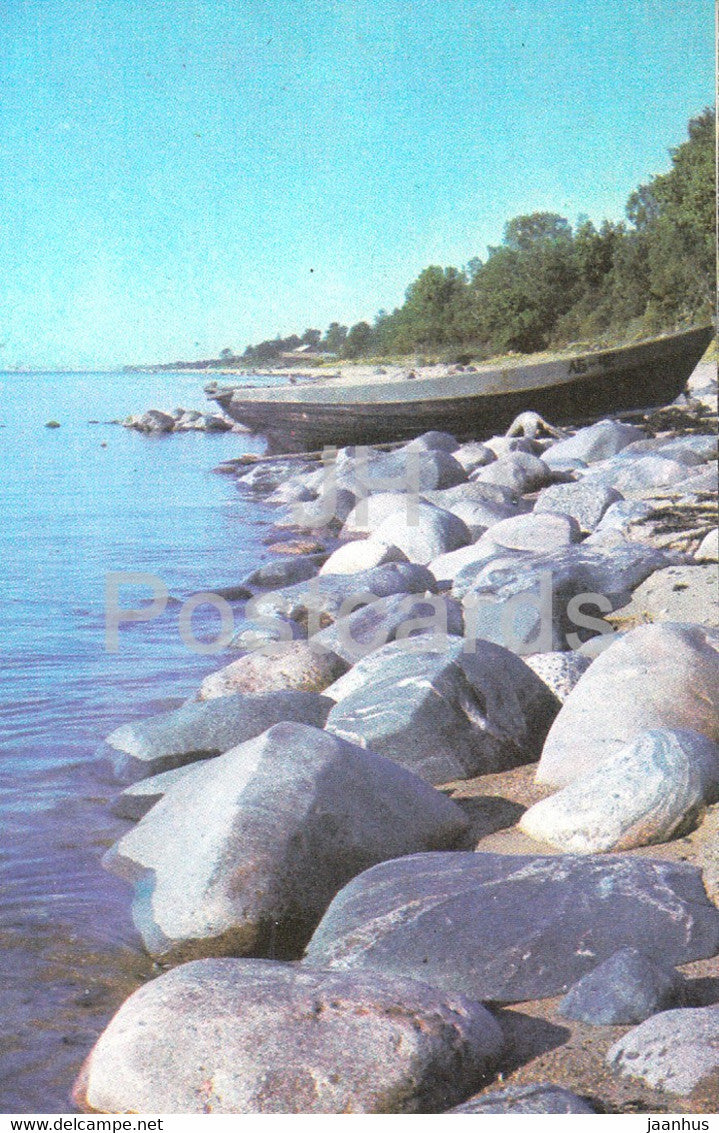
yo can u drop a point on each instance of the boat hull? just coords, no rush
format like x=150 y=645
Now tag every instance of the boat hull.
x=575 y=389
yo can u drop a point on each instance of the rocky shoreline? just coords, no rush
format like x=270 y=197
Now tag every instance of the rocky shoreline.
x=442 y=835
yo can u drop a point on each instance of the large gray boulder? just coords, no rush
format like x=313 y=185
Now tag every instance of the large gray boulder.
x=596 y=442
x=448 y=714
x=478 y=492
x=638 y=475
x=335 y=595
x=649 y=791
x=542 y=1098
x=508 y=928
x=585 y=500
x=372 y=665
x=676 y=1051
x=621 y=521
x=154 y=421
x=624 y=990
x=479 y=515
x=539 y=533
x=473 y=455
x=656 y=676
x=265 y=476
x=200 y=730
x=446 y=567
x=542 y=603
x=521 y=472
x=293 y=665
x=284 y=572
x=422 y=536
x=399 y=616
x=244 y=854
x=690 y=450
x=255 y=1036
x=434 y=440
x=406 y=469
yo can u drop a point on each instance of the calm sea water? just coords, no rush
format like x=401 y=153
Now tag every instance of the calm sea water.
x=72 y=510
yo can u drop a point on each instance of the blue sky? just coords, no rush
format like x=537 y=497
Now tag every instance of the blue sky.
x=179 y=176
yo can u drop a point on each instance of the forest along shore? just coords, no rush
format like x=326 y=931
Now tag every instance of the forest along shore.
x=442 y=834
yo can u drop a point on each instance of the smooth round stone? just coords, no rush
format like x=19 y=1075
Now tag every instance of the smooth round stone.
x=292 y=665
x=646 y=792
x=424 y=533
x=519 y=471
x=284 y=572
x=596 y=442
x=256 y=1036
x=434 y=441
x=675 y=1051
x=362 y=554
x=655 y=676
x=367 y=515
x=585 y=501
x=542 y=1098
x=534 y=532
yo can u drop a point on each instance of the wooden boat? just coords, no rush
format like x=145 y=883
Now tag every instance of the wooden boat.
x=470 y=403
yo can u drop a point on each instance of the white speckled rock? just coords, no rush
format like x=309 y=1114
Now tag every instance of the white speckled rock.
x=294 y=665
x=635 y=476
x=675 y=1051
x=656 y=676
x=255 y=1036
x=585 y=501
x=245 y=852
x=559 y=671
x=645 y=793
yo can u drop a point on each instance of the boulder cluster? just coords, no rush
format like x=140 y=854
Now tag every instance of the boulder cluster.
x=177 y=421
x=347 y=918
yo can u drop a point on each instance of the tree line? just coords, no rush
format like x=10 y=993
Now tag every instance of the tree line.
x=548 y=283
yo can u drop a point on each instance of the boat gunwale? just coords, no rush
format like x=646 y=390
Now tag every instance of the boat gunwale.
x=554 y=372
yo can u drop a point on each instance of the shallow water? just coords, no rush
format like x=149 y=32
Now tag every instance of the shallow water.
x=72 y=511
